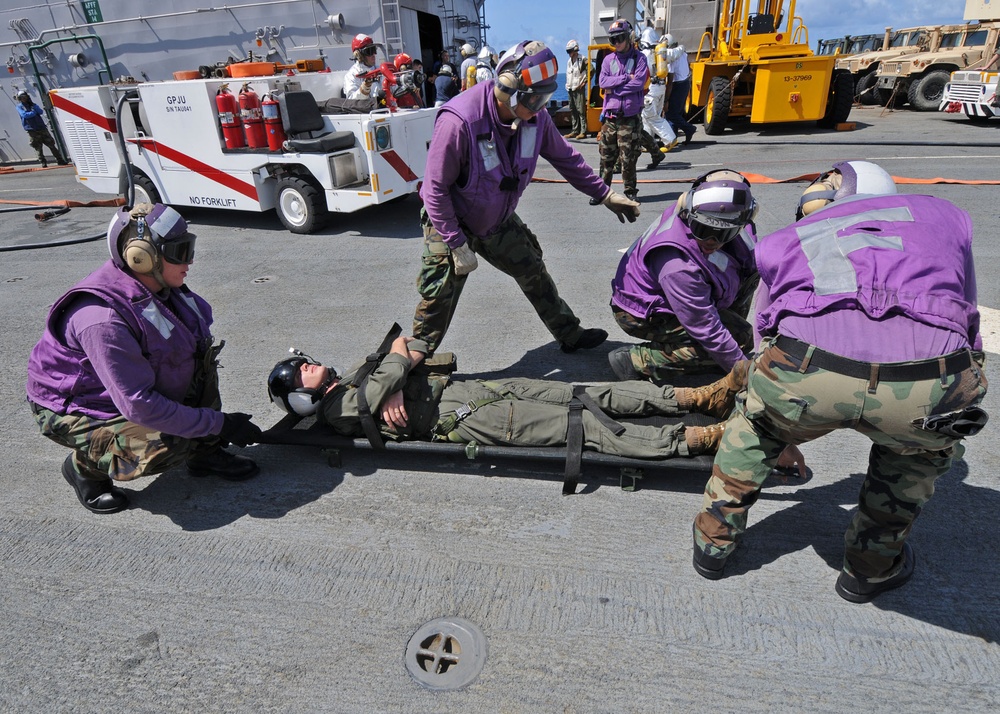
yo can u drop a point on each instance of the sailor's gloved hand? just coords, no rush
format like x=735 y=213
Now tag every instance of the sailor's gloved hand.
x=622 y=207
x=465 y=260
x=238 y=429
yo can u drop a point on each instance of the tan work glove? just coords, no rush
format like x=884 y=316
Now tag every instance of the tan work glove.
x=465 y=260
x=622 y=206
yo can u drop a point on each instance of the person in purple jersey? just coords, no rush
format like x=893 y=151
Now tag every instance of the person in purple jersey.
x=486 y=144
x=125 y=374
x=868 y=318
x=686 y=285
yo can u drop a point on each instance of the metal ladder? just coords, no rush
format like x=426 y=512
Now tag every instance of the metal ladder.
x=392 y=28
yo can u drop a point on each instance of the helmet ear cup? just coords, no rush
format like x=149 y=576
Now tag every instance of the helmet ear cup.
x=506 y=85
x=141 y=256
x=684 y=204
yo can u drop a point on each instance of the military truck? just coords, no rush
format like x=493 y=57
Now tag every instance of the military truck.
x=863 y=65
x=920 y=78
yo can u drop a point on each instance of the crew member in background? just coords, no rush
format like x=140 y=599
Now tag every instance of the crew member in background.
x=125 y=374
x=623 y=78
x=405 y=88
x=654 y=126
x=33 y=121
x=687 y=284
x=363 y=49
x=576 y=88
x=482 y=156
x=445 y=86
x=468 y=68
x=420 y=81
x=486 y=64
x=679 y=88
x=869 y=321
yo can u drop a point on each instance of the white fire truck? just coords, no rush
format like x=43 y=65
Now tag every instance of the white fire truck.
x=973 y=92
x=188 y=148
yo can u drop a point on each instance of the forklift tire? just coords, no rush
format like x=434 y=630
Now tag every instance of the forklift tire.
x=145 y=190
x=864 y=89
x=925 y=93
x=838 y=105
x=300 y=205
x=720 y=98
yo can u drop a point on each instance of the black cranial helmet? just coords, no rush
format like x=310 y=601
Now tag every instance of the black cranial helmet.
x=284 y=391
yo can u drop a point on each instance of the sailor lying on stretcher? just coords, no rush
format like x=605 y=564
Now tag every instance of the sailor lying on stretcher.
x=400 y=395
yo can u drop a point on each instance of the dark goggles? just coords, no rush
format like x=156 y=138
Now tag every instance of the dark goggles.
x=179 y=251
x=618 y=38
x=369 y=50
x=705 y=232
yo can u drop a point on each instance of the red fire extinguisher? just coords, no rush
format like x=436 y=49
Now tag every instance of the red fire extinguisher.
x=272 y=122
x=229 y=117
x=253 y=120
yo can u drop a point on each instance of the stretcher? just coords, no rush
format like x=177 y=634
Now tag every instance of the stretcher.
x=305 y=431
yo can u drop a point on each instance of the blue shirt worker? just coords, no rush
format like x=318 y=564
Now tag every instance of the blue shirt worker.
x=33 y=121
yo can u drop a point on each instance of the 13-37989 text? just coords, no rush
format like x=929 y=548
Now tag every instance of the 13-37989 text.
x=798 y=77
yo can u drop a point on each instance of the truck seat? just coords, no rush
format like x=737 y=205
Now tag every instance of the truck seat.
x=303 y=122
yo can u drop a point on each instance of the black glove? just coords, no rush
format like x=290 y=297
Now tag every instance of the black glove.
x=238 y=429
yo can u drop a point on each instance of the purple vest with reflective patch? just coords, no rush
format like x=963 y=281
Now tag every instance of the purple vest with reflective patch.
x=909 y=255
x=636 y=289
x=480 y=204
x=61 y=378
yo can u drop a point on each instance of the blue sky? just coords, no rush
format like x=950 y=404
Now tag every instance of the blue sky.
x=555 y=22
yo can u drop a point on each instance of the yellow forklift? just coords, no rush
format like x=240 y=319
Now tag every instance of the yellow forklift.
x=758 y=64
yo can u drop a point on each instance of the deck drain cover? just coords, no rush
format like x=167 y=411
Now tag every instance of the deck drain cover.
x=446 y=653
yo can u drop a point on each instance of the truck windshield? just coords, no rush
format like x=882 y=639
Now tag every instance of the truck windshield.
x=952 y=39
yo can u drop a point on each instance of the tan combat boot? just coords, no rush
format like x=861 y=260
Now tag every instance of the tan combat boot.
x=704 y=439
x=718 y=398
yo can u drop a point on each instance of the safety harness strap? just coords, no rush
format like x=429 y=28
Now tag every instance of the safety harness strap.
x=360 y=381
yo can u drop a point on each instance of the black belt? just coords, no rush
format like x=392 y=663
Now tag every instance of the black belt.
x=884 y=371
x=656 y=80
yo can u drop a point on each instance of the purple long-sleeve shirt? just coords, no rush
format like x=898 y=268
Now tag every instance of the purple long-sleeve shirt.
x=448 y=166
x=623 y=89
x=116 y=357
x=689 y=297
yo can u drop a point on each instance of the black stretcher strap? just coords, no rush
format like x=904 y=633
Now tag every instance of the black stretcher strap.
x=574 y=434
x=360 y=381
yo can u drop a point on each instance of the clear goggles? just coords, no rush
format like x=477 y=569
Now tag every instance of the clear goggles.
x=179 y=251
x=535 y=98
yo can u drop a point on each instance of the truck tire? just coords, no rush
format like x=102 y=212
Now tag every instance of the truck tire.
x=864 y=89
x=840 y=101
x=145 y=190
x=720 y=99
x=300 y=205
x=882 y=97
x=925 y=93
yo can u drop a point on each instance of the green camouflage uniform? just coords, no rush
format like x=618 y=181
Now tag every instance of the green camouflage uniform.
x=669 y=350
x=620 y=139
x=511 y=249
x=786 y=405
x=124 y=450
x=508 y=412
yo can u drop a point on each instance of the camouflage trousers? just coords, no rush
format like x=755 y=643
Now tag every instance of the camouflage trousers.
x=511 y=249
x=669 y=350
x=788 y=402
x=38 y=138
x=535 y=412
x=123 y=450
x=620 y=140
